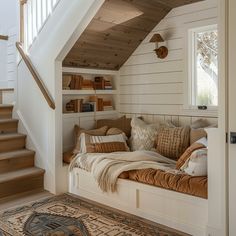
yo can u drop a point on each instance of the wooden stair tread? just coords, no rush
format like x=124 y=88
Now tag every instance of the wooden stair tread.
x=11 y=136
x=16 y=154
x=3 y=121
x=21 y=174
x=6 y=106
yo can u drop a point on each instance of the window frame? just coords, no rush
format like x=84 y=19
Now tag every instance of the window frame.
x=192 y=63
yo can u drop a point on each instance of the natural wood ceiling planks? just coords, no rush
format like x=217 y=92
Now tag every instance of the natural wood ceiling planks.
x=116 y=31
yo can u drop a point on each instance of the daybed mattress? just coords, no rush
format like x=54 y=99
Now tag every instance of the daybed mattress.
x=196 y=186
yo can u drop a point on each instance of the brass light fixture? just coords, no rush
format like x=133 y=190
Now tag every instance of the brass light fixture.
x=162 y=51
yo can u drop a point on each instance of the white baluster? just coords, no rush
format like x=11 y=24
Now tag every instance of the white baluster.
x=29 y=25
x=44 y=11
x=36 y=13
x=49 y=8
x=34 y=19
x=39 y=14
x=25 y=27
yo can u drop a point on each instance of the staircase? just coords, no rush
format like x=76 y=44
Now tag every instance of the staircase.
x=17 y=171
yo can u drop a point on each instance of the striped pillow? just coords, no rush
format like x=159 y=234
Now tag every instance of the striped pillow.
x=103 y=144
x=78 y=131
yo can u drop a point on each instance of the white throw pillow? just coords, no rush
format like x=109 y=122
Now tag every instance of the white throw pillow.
x=143 y=135
x=196 y=165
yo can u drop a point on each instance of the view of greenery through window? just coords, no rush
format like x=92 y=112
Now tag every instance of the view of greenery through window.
x=206 y=68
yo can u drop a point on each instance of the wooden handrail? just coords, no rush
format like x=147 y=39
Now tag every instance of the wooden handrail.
x=4 y=37
x=36 y=76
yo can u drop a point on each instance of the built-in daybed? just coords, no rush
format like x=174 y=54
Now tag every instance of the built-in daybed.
x=175 y=200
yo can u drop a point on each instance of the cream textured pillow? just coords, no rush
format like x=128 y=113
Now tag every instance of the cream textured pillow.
x=196 y=165
x=95 y=132
x=200 y=123
x=143 y=135
x=172 y=142
x=103 y=144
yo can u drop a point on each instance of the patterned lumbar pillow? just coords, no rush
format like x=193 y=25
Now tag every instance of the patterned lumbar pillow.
x=172 y=142
x=143 y=135
x=196 y=165
x=103 y=144
x=95 y=132
x=200 y=144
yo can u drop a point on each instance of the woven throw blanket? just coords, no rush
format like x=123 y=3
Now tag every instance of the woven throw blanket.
x=106 y=168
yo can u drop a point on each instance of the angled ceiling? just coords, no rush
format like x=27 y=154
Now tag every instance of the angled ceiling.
x=116 y=31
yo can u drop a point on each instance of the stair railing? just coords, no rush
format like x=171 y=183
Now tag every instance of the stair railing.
x=36 y=76
x=33 y=16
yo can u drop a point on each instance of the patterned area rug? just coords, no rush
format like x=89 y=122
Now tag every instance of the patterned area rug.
x=73 y=216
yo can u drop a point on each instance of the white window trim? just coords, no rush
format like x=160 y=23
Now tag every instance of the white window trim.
x=188 y=108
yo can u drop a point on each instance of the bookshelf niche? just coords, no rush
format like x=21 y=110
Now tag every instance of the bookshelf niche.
x=85 y=93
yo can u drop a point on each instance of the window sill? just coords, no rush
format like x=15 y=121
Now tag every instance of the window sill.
x=194 y=111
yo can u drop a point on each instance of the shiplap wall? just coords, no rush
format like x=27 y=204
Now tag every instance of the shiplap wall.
x=149 y=85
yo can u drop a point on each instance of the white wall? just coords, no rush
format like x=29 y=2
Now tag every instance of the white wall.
x=9 y=25
x=42 y=124
x=153 y=86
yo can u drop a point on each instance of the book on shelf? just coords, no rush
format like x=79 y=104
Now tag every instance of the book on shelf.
x=74 y=105
x=76 y=82
x=108 y=108
x=97 y=101
x=66 y=80
x=107 y=103
x=99 y=83
x=88 y=107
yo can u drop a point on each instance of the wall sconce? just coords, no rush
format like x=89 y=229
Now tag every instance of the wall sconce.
x=162 y=51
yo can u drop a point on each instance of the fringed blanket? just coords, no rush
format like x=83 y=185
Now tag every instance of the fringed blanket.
x=106 y=168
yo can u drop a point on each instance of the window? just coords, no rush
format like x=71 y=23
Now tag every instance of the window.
x=204 y=66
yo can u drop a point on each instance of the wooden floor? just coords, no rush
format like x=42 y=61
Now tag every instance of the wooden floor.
x=22 y=199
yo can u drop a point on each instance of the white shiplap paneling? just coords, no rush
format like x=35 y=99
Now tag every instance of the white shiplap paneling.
x=153 y=86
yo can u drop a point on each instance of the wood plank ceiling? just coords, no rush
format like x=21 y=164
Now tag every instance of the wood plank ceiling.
x=116 y=31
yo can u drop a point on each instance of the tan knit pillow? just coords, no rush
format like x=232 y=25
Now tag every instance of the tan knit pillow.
x=172 y=142
x=95 y=132
x=103 y=144
x=121 y=123
x=186 y=155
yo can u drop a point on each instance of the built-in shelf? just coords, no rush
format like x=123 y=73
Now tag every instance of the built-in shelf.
x=85 y=114
x=89 y=92
x=88 y=71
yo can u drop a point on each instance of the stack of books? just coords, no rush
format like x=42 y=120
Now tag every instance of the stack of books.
x=87 y=107
x=76 y=82
x=74 y=105
x=108 y=84
x=87 y=84
x=100 y=104
x=99 y=83
x=97 y=101
x=107 y=106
